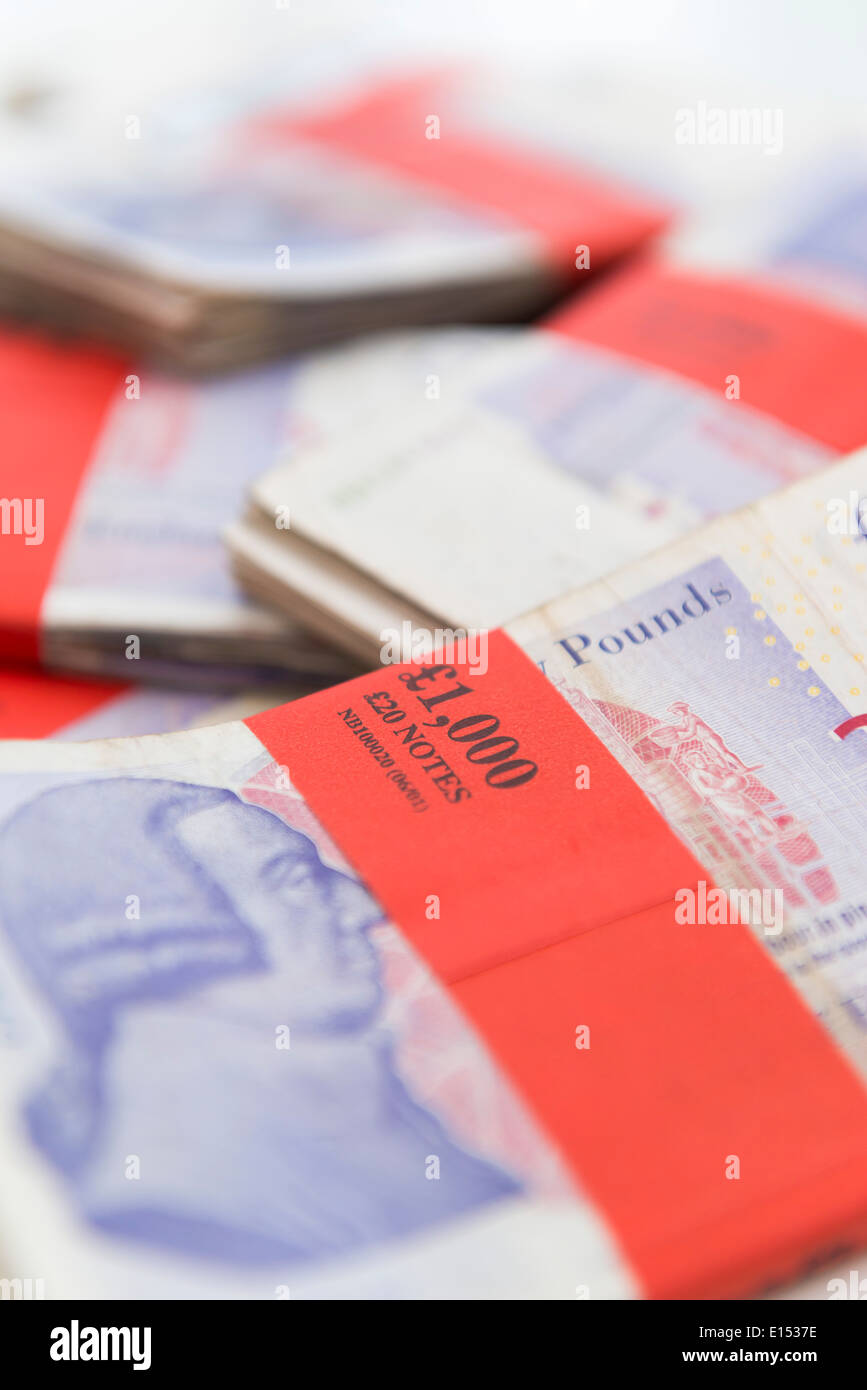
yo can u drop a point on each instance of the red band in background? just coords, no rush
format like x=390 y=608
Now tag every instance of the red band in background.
x=532 y=190
x=37 y=706
x=53 y=402
x=555 y=911
x=800 y=362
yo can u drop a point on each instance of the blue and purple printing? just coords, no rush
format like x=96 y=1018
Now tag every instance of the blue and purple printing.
x=166 y=1022
x=730 y=732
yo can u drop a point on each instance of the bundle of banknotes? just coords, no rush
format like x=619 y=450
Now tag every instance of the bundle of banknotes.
x=205 y=243
x=534 y=462
x=287 y=220
x=118 y=482
x=431 y=765
x=259 y=1042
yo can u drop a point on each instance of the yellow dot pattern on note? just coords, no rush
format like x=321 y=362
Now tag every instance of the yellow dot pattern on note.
x=810 y=594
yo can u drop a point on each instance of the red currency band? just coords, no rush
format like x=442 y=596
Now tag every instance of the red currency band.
x=53 y=402
x=37 y=706
x=800 y=362
x=556 y=912
x=564 y=207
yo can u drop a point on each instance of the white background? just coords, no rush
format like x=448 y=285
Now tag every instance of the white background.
x=119 y=51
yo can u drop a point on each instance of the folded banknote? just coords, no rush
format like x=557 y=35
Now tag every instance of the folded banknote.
x=676 y=391
x=537 y=974
x=118 y=482
x=252 y=224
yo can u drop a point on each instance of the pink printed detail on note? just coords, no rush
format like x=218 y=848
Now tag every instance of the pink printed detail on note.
x=556 y=909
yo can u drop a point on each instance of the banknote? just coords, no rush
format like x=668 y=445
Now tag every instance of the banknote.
x=229 y=1071
x=723 y=673
x=253 y=223
x=128 y=575
x=242 y=1176
x=676 y=392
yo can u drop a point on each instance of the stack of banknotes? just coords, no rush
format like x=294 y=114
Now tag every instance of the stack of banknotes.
x=287 y=220
x=431 y=765
x=536 y=461
x=244 y=1057
x=201 y=243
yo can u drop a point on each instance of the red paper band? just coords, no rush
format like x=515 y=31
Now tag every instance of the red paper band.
x=53 y=401
x=386 y=126
x=37 y=706
x=802 y=363
x=556 y=911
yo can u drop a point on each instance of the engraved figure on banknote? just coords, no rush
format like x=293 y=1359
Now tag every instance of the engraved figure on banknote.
x=726 y=813
x=688 y=727
x=728 y=792
x=174 y=932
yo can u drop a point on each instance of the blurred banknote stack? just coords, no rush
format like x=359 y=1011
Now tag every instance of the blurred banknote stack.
x=278 y=225
x=432 y=695
x=550 y=453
